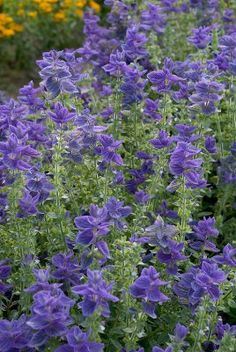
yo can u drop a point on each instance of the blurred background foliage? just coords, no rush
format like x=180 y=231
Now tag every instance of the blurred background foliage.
x=30 y=27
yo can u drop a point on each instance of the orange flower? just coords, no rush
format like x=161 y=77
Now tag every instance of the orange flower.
x=95 y=6
x=8 y=32
x=81 y=3
x=32 y=14
x=60 y=16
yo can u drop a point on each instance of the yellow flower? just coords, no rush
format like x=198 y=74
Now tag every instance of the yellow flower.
x=79 y=13
x=32 y=14
x=20 y=12
x=60 y=16
x=81 y=3
x=67 y=3
x=7 y=32
x=95 y=6
x=45 y=5
x=17 y=27
x=5 y=19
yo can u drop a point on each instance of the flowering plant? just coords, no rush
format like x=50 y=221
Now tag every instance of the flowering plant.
x=117 y=177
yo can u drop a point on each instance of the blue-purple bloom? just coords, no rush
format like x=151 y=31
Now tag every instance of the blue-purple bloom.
x=15 y=335
x=146 y=287
x=117 y=65
x=91 y=226
x=50 y=315
x=17 y=155
x=78 y=341
x=60 y=114
x=116 y=212
x=153 y=19
x=162 y=141
x=56 y=73
x=30 y=97
x=202 y=231
x=150 y=109
x=200 y=281
x=170 y=255
x=159 y=349
x=164 y=80
x=134 y=46
x=228 y=257
x=5 y=271
x=207 y=93
x=184 y=163
x=200 y=37
x=67 y=268
x=180 y=332
x=108 y=149
x=96 y=293
x=210 y=144
x=28 y=204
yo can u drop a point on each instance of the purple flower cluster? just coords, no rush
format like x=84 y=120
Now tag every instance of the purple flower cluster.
x=146 y=287
x=96 y=293
x=200 y=281
x=184 y=163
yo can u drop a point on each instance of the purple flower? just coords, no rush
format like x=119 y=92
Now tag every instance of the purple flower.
x=61 y=114
x=183 y=163
x=150 y=109
x=78 y=341
x=153 y=19
x=117 y=65
x=210 y=144
x=116 y=211
x=164 y=80
x=50 y=315
x=171 y=255
x=14 y=335
x=142 y=197
x=17 y=155
x=37 y=183
x=185 y=133
x=180 y=332
x=198 y=282
x=91 y=226
x=11 y=113
x=186 y=289
x=5 y=271
x=56 y=73
x=96 y=293
x=202 y=231
x=42 y=276
x=164 y=211
x=221 y=329
x=29 y=96
x=134 y=47
x=206 y=95
x=146 y=287
x=28 y=204
x=67 y=268
x=132 y=87
x=159 y=234
x=209 y=277
x=108 y=149
x=228 y=256
x=159 y=349
x=227 y=169
x=200 y=37
x=163 y=140
x=182 y=158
